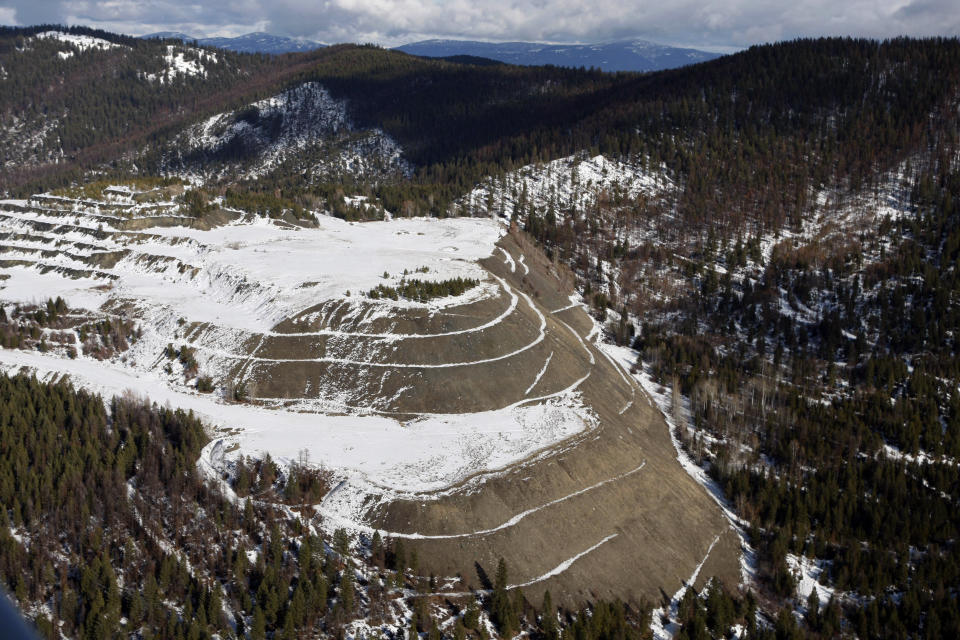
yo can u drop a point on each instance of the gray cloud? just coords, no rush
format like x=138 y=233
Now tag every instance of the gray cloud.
x=721 y=24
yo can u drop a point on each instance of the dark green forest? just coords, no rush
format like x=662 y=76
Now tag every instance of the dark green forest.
x=423 y=290
x=816 y=381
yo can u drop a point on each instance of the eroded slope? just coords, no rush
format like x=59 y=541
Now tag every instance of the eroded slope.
x=477 y=426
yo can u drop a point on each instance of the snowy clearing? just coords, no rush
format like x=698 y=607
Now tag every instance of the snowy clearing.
x=248 y=275
x=384 y=455
x=82 y=43
x=808 y=573
x=183 y=62
x=251 y=274
x=573 y=182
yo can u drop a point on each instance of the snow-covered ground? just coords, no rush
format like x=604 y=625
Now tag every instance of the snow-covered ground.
x=275 y=129
x=29 y=285
x=180 y=61
x=240 y=279
x=574 y=182
x=808 y=573
x=921 y=457
x=247 y=275
x=80 y=42
x=308 y=111
x=302 y=267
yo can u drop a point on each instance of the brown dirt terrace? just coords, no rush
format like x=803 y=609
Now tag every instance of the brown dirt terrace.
x=607 y=514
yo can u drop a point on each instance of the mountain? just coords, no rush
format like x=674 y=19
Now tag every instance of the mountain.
x=687 y=339
x=624 y=55
x=257 y=42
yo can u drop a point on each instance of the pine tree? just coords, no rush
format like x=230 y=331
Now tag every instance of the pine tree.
x=813 y=610
x=376 y=549
x=258 y=628
x=502 y=611
x=412 y=633
x=548 y=617
x=347 y=591
x=471 y=615
x=399 y=557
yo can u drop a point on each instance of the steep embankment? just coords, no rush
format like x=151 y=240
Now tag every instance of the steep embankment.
x=608 y=513
x=474 y=426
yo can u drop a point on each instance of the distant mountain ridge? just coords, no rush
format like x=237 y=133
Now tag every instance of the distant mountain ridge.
x=623 y=55
x=257 y=42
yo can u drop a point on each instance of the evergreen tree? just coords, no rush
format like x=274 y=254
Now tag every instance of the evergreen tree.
x=501 y=607
x=548 y=618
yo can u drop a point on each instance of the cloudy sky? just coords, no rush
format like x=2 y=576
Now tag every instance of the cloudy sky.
x=710 y=24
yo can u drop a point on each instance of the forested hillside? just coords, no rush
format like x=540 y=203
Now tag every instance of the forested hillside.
x=82 y=98
x=822 y=396
x=110 y=530
x=746 y=134
x=795 y=296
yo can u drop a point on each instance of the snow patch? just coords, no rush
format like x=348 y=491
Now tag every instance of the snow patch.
x=566 y=564
x=266 y=133
x=183 y=62
x=808 y=573
x=574 y=182
x=539 y=374
x=80 y=42
x=375 y=455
